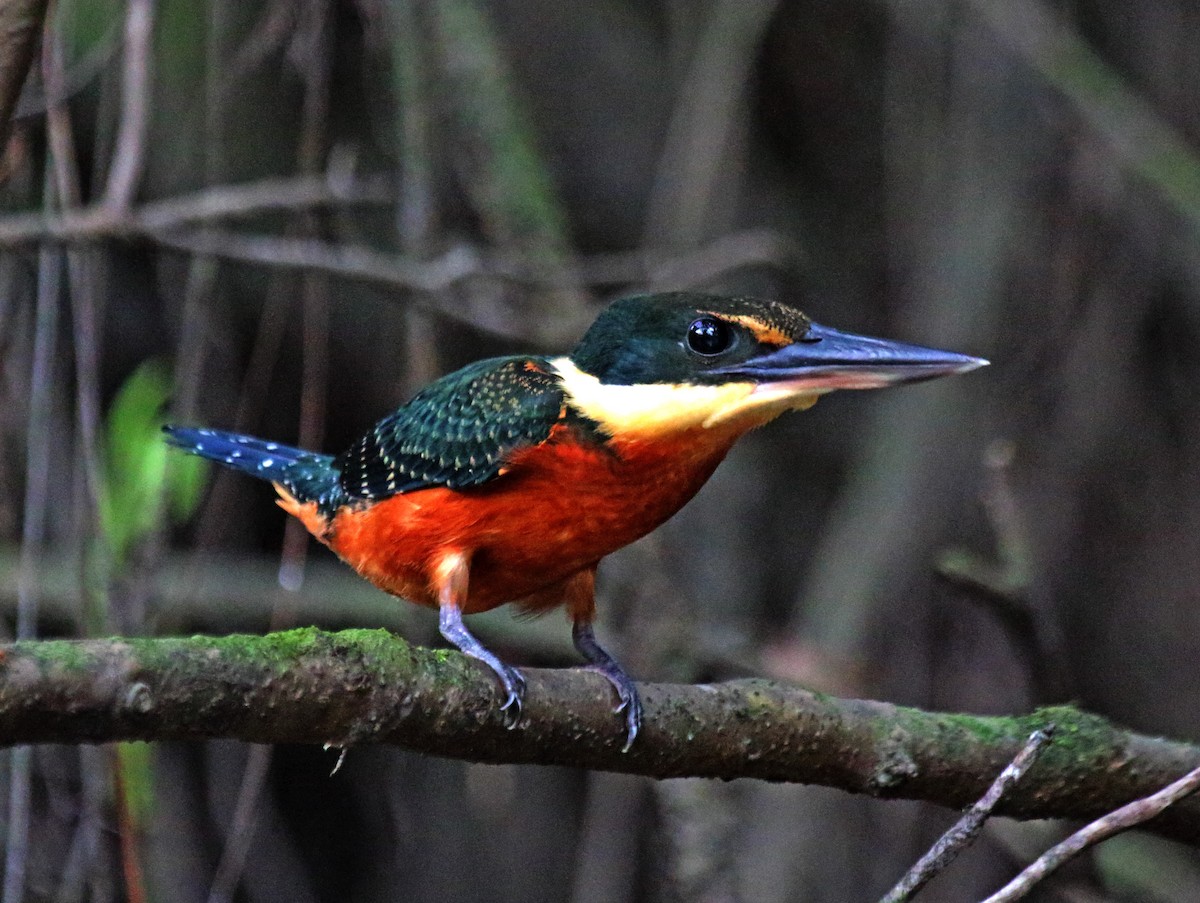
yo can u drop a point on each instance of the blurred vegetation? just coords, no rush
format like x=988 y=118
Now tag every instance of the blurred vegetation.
x=1012 y=178
x=143 y=479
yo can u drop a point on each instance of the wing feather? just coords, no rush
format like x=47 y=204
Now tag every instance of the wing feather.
x=457 y=432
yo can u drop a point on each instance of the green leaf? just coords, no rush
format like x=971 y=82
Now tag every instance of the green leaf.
x=140 y=470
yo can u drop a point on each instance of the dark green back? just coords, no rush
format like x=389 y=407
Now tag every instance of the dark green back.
x=456 y=432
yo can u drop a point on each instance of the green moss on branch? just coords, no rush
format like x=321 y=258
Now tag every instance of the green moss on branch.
x=368 y=686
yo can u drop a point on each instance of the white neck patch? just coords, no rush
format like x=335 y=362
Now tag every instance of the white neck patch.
x=650 y=410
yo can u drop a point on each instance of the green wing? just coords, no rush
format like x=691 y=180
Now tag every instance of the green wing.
x=456 y=432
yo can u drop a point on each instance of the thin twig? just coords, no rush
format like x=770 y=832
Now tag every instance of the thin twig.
x=967 y=828
x=17 y=852
x=81 y=863
x=78 y=74
x=1006 y=587
x=241 y=828
x=252 y=398
x=130 y=151
x=166 y=222
x=202 y=271
x=696 y=267
x=206 y=205
x=20 y=24
x=284 y=195
x=1142 y=139
x=315 y=312
x=1122 y=819
x=503 y=173
x=311 y=433
x=37 y=494
x=428 y=278
x=607 y=866
x=358 y=261
x=710 y=100
x=269 y=34
x=124 y=176
x=312 y=44
x=435 y=276
x=82 y=281
x=59 y=130
x=81 y=271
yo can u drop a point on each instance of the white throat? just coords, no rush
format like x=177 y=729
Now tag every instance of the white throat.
x=650 y=410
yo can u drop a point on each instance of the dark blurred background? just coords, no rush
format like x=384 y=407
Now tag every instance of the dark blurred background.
x=311 y=208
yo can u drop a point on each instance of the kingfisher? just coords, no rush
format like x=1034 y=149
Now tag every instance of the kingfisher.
x=510 y=479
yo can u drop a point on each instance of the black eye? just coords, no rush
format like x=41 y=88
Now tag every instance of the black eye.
x=708 y=336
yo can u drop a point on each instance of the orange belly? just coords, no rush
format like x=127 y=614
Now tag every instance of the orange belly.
x=559 y=509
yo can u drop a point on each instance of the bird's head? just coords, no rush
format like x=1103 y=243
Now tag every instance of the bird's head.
x=662 y=363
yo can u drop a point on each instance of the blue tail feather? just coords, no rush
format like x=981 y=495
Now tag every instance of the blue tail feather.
x=307 y=475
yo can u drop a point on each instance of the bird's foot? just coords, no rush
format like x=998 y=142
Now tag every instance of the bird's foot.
x=630 y=702
x=513 y=682
x=601 y=662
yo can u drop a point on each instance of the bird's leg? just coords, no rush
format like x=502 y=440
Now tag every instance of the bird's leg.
x=452 y=575
x=581 y=600
x=600 y=660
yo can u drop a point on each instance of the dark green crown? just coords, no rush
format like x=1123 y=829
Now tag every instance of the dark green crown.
x=681 y=337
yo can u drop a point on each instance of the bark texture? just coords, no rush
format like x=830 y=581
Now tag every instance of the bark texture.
x=368 y=686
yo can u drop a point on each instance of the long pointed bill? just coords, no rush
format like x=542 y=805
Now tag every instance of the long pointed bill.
x=828 y=359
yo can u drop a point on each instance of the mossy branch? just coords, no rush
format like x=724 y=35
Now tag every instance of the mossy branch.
x=368 y=686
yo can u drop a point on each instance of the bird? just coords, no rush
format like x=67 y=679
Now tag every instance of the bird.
x=509 y=480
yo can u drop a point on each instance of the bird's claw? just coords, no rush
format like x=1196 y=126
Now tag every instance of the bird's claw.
x=513 y=682
x=631 y=705
x=452 y=628
x=628 y=702
x=600 y=661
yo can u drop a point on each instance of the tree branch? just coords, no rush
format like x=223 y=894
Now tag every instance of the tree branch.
x=963 y=833
x=129 y=157
x=182 y=224
x=20 y=25
x=1128 y=816
x=206 y=205
x=368 y=686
